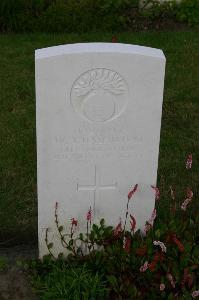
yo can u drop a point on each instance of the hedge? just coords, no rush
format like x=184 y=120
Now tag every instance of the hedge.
x=89 y=15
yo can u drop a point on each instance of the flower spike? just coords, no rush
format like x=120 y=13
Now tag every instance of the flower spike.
x=132 y=192
x=89 y=215
x=170 y=278
x=162 y=287
x=74 y=222
x=144 y=267
x=157 y=192
x=195 y=294
x=118 y=228
x=133 y=223
x=127 y=244
x=189 y=162
x=162 y=245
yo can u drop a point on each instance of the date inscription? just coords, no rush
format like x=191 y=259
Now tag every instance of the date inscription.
x=89 y=144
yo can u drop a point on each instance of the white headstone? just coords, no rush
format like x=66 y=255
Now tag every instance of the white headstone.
x=98 y=128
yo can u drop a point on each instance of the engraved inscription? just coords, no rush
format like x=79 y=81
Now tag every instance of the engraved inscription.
x=99 y=95
x=96 y=187
x=88 y=143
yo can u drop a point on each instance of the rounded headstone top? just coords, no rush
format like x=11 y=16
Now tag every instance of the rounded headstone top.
x=98 y=48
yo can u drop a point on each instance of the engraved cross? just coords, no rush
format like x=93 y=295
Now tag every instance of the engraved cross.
x=96 y=187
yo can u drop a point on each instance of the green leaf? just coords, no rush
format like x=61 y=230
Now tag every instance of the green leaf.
x=92 y=236
x=3 y=262
x=157 y=233
x=170 y=297
x=101 y=232
x=60 y=255
x=70 y=243
x=112 y=280
x=50 y=245
x=95 y=228
x=19 y=263
x=102 y=222
x=81 y=237
x=60 y=228
x=188 y=247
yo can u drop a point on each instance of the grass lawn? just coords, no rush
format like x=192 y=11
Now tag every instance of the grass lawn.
x=180 y=122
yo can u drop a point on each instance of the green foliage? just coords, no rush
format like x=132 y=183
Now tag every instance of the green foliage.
x=84 y=15
x=20 y=15
x=188 y=11
x=154 y=9
x=59 y=280
x=3 y=263
x=89 y=15
x=183 y=11
x=63 y=15
x=168 y=248
x=117 y=272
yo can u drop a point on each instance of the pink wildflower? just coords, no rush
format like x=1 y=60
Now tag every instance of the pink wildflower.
x=132 y=192
x=149 y=223
x=153 y=216
x=89 y=215
x=162 y=287
x=74 y=222
x=187 y=278
x=157 y=192
x=162 y=245
x=185 y=203
x=189 y=162
x=127 y=244
x=152 y=265
x=178 y=243
x=189 y=193
x=158 y=257
x=118 y=228
x=144 y=267
x=187 y=200
x=170 y=278
x=133 y=223
x=195 y=294
x=147 y=227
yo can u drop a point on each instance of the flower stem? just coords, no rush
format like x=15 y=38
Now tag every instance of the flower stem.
x=46 y=240
x=127 y=212
x=61 y=235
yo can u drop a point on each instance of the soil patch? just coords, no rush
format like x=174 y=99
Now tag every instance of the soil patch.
x=14 y=283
